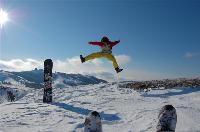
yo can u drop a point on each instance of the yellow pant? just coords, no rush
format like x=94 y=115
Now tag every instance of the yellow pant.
x=104 y=55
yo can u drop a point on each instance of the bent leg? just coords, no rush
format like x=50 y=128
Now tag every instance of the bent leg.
x=93 y=56
x=112 y=58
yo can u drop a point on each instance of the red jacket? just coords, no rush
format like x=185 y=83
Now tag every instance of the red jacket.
x=110 y=44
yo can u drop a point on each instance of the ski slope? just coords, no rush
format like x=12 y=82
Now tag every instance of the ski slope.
x=121 y=109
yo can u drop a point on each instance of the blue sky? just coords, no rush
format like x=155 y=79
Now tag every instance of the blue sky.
x=159 y=38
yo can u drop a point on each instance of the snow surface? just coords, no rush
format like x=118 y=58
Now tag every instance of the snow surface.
x=121 y=109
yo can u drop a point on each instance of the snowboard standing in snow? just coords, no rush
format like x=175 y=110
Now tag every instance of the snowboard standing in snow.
x=167 y=119
x=48 y=65
x=93 y=122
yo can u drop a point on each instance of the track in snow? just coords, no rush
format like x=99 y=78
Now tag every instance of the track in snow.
x=122 y=110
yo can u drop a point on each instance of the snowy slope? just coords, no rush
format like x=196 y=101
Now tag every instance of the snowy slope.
x=34 y=78
x=122 y=110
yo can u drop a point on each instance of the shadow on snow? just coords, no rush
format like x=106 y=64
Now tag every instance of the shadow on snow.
x=83 y=111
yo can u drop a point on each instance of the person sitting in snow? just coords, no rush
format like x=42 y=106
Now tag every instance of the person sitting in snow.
x=106 y=52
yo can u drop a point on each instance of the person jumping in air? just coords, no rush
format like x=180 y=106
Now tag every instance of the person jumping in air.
x=106 y=52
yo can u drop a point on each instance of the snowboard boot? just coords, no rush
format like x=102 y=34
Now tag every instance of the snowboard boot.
x=167 y=119
x=93 y=122
x=118 y=70
x=82 y=58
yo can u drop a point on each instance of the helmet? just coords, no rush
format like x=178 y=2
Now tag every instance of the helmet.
x=105 y=39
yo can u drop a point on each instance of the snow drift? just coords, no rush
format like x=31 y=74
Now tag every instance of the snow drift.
x=121 y=109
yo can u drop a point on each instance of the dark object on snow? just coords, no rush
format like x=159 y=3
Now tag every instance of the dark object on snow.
x=93 y=122
x=167 y=119
x=48 y=65
x=95 y=113
x=11 y=96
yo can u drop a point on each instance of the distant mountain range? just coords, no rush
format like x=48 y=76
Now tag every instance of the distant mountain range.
x=166 y=83
x=34 y=78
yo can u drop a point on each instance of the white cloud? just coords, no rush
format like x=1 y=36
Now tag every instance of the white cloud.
x=19 y=65
x=74 y=65
x=108 y=76
x=123 y=59
x=189 y=55
x=95 y=67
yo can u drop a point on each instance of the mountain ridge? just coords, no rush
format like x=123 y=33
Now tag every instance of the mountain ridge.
x=34 y=78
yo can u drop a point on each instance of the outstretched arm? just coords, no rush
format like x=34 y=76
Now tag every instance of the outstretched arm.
x=114 y=43
x=96 y=43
